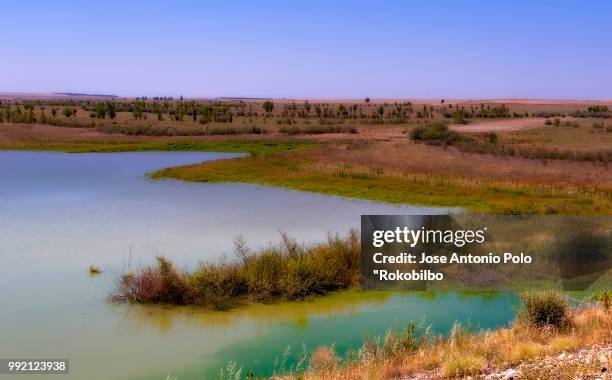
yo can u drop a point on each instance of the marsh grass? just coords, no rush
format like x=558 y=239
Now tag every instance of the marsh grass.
x=374 y=183
x=288 y=271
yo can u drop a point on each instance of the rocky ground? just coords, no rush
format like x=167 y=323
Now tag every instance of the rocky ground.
x=587 y=363
x=591 y=363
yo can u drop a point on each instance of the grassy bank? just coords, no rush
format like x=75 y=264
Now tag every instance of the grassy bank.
x=380 y=163
x=123 y=145
x=478 y=194
x=546 y=325
x=289 y=271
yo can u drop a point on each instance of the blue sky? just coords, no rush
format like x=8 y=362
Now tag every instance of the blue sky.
x=451 y=49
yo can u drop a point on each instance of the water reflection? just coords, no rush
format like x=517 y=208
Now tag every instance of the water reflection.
x=296 y=314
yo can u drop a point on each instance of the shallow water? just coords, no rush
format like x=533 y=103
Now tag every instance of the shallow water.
x=59 y=213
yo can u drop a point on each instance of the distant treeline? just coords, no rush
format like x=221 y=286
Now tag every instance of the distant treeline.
x=204 y=112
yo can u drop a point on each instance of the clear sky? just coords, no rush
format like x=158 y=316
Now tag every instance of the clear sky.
x=451 y=49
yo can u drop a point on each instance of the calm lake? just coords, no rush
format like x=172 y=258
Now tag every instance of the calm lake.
x=59 y=213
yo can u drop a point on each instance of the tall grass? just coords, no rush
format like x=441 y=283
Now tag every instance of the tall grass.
x=297 y=172
x=401 y=354
x=289 y=271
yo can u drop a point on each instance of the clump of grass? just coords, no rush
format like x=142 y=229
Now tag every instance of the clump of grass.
x=463 y=365
x=323 y=360
x=403 y=341
x=543 y=308
x=564 y=343
x=526 y=351
x=289 y=271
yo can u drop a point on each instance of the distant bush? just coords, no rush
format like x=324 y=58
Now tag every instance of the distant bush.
x=604 y=297
x=597 y=108
x=436 y=134
x=543 y=308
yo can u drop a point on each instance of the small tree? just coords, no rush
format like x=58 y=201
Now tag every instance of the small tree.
x=268 y=106
x=367 y=100
x=100 y=110
x=110 y=110
x=69 y=111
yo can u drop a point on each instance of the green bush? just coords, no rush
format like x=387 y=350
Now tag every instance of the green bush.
x=604 y=297
x=174 y=287
x=436 y=134
x=218 y=285
x=543 y=308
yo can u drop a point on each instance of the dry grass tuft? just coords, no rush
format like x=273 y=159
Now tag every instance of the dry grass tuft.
x=462 y=365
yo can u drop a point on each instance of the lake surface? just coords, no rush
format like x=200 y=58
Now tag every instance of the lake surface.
x=59 y=213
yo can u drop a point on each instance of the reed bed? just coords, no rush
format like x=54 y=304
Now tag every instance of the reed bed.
x=288 y=271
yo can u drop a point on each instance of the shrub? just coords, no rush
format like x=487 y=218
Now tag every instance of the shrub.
x=174 y=287
x=323 y=359
x=218 y=285
x=436 y=134
x=543 y=308
x=398 y=343
x=604 y=297
x=263 y=273
x=291 y=271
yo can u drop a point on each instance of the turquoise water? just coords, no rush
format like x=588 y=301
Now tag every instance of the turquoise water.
x=59 y=213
